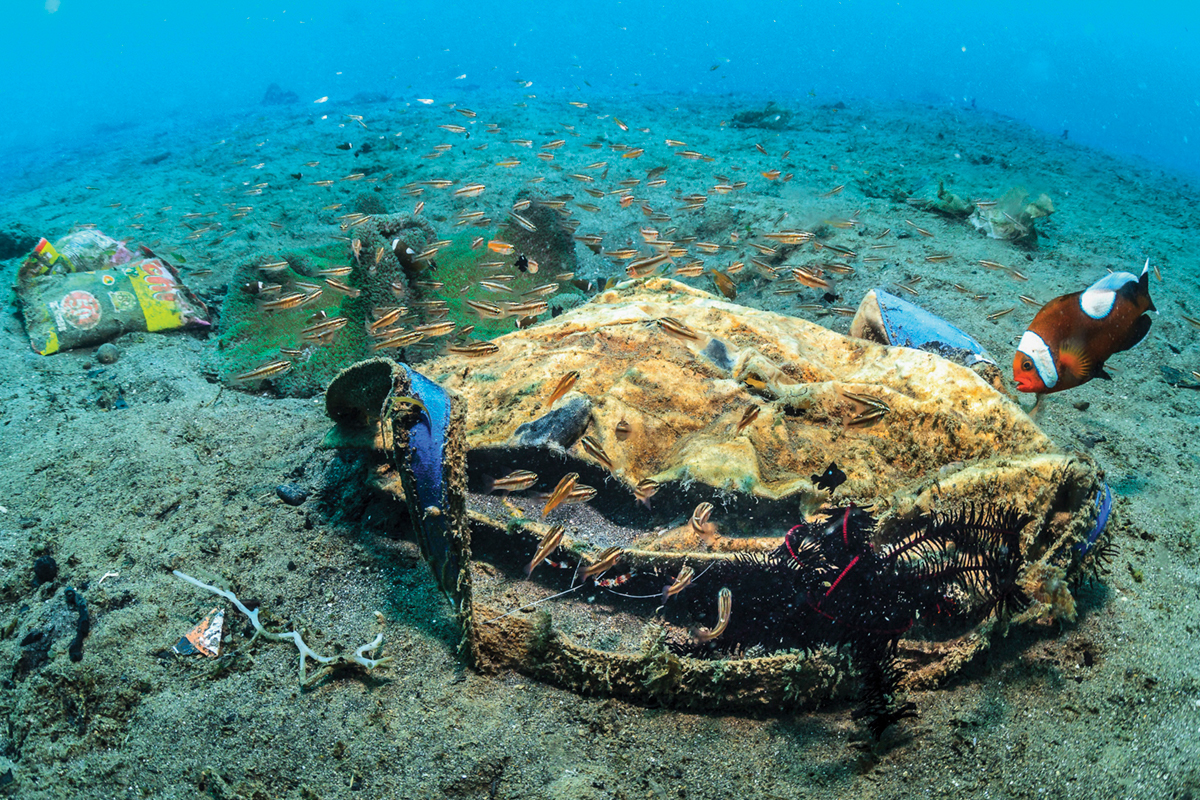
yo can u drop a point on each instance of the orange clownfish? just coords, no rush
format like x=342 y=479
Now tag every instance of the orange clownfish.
x=1071 y=337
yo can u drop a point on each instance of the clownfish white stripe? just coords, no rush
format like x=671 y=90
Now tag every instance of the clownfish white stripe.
x=1098 y=300
x=1039 y=353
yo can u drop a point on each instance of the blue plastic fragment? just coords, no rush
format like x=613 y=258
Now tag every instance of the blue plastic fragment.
x=428 y=441
x=427 y=450
x=1103 y=510
x=908 y=325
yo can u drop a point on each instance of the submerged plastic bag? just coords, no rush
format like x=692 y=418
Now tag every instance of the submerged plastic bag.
x=1012 y=216
x=680 y=552
x=87 y=288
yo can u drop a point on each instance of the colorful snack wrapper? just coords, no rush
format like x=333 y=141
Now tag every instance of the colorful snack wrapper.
x=88 y=288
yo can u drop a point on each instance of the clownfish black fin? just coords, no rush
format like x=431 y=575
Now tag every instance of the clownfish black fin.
x=1140 y=328
x=1143 y=288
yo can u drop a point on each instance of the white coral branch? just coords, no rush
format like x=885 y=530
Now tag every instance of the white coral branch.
x=293 y=636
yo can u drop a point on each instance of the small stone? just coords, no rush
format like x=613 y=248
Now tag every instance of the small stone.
x=561 y=426
x=290 y=494
x=107 y=353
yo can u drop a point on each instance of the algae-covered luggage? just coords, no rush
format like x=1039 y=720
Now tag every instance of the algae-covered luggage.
x=87 y=288
x=736 y=508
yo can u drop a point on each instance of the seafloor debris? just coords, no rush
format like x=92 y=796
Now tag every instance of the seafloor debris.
x=771 y=117
x=828 y=585
x=971 y=509
x=683 y=402
x=87 y=287
x=1012 y=216
x=358 y=657
x=205 y=638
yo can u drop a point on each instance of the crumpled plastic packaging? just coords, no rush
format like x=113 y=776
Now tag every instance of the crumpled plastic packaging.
x=1011 y=217
x=88 y=288
x=885 y=318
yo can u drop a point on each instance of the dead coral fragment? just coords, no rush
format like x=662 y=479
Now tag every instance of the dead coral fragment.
x=305 y=651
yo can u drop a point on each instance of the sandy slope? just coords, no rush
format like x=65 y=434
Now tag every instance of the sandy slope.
x=183 y=477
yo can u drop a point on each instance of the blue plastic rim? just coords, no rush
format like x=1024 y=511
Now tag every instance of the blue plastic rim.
x=909 y=325
x=428 y=441
x=427 y=450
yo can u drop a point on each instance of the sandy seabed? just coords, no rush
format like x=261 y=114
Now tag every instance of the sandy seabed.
x=128 y=470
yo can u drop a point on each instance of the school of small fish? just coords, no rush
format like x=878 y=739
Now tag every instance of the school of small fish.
x=647 y=191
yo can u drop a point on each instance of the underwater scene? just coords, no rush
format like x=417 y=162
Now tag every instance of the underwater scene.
x=607 y=400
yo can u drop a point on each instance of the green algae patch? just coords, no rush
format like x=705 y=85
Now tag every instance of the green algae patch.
x=460 y=267
x=385 y=271
x=251 y=333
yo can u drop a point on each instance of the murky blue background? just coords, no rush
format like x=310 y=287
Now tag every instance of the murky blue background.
x=1122 y=76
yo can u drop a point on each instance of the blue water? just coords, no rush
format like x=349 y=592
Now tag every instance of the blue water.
x=1119 y=76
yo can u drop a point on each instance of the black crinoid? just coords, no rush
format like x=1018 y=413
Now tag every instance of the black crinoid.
x=830 y=585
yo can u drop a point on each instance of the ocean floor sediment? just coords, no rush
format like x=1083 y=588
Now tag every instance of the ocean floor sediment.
x=125 y=471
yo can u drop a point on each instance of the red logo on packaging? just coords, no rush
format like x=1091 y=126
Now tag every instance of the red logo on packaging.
x=80 y=309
